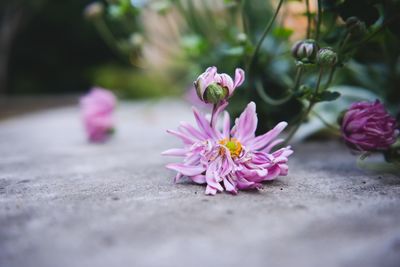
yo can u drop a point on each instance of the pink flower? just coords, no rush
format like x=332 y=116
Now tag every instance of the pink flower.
x=228 y=159
x=97 y=109
x=212 y=87
x=367 y=126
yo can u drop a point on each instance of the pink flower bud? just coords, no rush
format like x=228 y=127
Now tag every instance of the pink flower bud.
x=367 y=126
x=212 y=87
x=97 y=109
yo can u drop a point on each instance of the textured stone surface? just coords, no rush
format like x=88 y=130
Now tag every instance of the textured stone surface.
x=64 y=202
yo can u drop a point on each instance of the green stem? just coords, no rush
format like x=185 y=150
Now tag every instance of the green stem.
x=327 y=124
x=307 y=111
x=269 y=100
x=214 y=109
x=108 y=37
x=299 y=73
x=330 y=78
x=243 y=17
x=319 y=20
x=264 y=34
x=308 y=18
x=372 y=34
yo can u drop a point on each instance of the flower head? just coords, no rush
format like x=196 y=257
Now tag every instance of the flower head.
x=97 y=108
x=367 y=126
x=327 y=57
x=213 y=87
x=229 y=159
x=305 y=50
x=93 y=10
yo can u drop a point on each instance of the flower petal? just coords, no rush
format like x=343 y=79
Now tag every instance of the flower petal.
x=246 y=124
x=186 y=169
x=239 y=77
x=263 y=140
x=178 y=152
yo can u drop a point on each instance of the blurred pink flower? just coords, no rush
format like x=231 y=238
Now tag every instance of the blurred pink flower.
x=228 y=159
x=367 y=126
x=211 y=78
x=97 y=113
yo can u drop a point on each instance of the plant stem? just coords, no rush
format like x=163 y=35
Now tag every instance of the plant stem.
x=319 y=20
x=214 y=109
x=307 y=111
x=308 y=18
x=327 y=124
x=243 y=16
x=330 y=78
x=269 y=100
x=109 y=38
x=299 y=73
x=264 y=34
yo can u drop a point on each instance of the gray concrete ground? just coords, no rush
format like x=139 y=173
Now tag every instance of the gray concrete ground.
x=64 y=202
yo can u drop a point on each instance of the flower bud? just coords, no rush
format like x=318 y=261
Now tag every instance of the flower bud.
x=93 y=10
x=213 y=87
x=367 y=126
x=327 y=57
x=305 y=50
x=215 y=93
x=355 y=27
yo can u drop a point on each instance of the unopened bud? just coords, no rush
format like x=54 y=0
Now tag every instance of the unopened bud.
x=356 y=27
x=327 y=57
x=305 y=50
x=215 y=93
x=93 y=10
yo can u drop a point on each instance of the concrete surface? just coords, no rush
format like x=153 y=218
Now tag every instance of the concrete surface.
x=64 y=202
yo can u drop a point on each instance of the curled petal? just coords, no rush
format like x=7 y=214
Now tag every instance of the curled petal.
x=226 y=81
x=239 y=77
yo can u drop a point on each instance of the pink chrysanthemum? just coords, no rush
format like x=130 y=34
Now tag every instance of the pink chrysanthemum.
x=367 y=126
x=97 y=109
x=229 y=159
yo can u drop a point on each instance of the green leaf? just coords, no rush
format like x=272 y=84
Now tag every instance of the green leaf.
x=283 y=33
x=328 y=96
x=234 y=51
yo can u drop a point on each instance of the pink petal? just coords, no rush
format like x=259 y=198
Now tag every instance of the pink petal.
x=186 y=139
x=178 y=152
x=229 y=187
x=199 y=179
x=204 y=124
x=186 y=169
x=226 y=125
x=263 y=140
x=210 y=190
x=226 y=81
x=239 y=77
x=219 y=109
x=246 y=124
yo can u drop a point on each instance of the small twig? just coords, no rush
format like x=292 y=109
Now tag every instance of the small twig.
x=308 y=18
x=319 y=20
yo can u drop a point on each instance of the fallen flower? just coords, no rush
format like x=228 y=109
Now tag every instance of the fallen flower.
x=97 y=114
x=367 y=126
x=229 y=159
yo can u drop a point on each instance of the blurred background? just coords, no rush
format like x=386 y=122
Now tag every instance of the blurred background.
x=155 y=48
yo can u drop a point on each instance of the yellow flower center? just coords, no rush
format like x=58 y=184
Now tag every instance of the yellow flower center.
x=234 y=146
